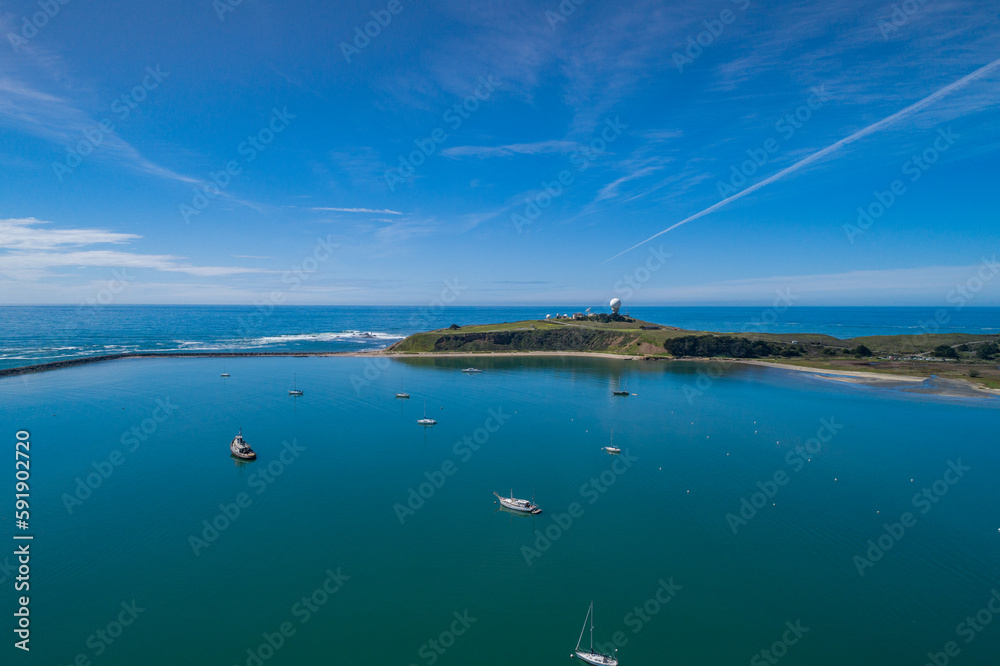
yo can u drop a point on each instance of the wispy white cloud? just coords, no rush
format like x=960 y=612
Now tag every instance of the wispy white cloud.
x=924 y=284
x=23 y=106
x=27 y=106
x=536 y=148
x=33 y=251
x=610 y=190
x=383 y=211
x=25 y=234
x=832 y=148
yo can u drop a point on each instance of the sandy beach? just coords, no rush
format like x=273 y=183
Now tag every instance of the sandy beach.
x=930 y=385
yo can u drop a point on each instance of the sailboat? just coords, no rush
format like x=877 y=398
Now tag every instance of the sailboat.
x=401 y=394
x=518 y=505
x=295 y=391
x=611 y=448
x=589 y=656
x=426 y=421
x=620 y=390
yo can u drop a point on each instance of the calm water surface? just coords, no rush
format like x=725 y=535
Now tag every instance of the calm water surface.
x=662 y=517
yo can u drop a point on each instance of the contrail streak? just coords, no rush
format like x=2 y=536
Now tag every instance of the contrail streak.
x=861 y=133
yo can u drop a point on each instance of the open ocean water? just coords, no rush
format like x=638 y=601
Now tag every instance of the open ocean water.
x=38 y=334
x=826 y=523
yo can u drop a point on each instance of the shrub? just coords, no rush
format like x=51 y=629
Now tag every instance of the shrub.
x=725 y=345
x=987 y=351
x=945 y=351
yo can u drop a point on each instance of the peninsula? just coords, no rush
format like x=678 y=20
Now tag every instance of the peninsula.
x=951 y=356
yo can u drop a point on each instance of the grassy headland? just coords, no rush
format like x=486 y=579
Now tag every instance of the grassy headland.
x=972 y=358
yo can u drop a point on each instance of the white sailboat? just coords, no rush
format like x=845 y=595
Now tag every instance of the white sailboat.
x=294 y=390
x=611 y=448
x=519 y=505
x=589 y=656
x=401 y=393
x=426 y=421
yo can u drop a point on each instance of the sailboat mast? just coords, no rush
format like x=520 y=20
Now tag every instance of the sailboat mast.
x=591 y=627
x=584 y=627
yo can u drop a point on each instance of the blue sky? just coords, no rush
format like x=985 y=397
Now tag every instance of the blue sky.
x=200 y=152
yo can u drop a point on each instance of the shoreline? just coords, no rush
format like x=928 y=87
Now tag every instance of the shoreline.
x=935 y=385
x=928 y=385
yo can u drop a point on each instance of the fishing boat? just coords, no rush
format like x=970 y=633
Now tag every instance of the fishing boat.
x=405 y=396
x=294 y=391
x=611 y=448
x=240 y=449
x=589 y=656
x=426 y=421
x=518 y=505
x=471 y=370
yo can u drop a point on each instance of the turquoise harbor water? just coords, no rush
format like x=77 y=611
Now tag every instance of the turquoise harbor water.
x=658 y=516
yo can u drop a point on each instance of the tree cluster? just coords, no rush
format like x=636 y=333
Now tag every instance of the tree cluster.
x=726 y=345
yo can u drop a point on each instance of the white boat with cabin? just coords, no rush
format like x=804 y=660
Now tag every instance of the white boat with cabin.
x=518 y=505
x=611 y=448
x=426 y=421
x=240 y=449
x=590 y=656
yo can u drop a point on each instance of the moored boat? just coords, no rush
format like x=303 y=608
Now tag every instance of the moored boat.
x=590 y=656
x=518 y=505
x=426 y=421
x=240 y=449
x=471 y=370
x=611 y=448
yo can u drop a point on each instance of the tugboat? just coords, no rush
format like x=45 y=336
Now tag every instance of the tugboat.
x=240 y=449
x=518 y=505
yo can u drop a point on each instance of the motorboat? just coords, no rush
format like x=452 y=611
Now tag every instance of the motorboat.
x=240 y=449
